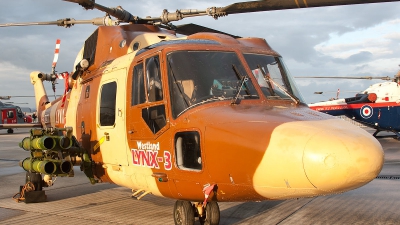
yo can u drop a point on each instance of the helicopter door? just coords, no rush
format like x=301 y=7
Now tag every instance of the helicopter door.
x=110 y=118
x=147 y=113
x=146 y=121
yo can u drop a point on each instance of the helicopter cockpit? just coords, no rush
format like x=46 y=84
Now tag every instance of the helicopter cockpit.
x=198 y=77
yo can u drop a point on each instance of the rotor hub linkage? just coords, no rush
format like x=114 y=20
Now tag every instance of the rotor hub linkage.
x=67 y=22
x=215 y=13
x=167 y=17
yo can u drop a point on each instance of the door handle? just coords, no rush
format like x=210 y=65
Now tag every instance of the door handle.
x=107 y=136
x=119 y=112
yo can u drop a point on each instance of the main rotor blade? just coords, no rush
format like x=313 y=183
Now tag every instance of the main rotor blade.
x=246 y=7
x=363 y=78
x=191 y=28
x=87 y=4
x=68 y=22
x=322 y=92
x=30 y=24
x=270 y=5
x=16 y=96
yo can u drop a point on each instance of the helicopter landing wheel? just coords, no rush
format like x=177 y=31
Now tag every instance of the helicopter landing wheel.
x=212 y=214
x=10 y=131
x=183 y=213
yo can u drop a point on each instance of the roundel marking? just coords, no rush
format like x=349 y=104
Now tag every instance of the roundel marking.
x=366 y=111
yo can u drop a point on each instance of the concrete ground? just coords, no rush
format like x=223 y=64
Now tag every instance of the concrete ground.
x=75 y=200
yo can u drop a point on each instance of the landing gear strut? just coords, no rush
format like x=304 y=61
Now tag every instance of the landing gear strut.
x=396 y=136
x=32 y=191
x=185 y=213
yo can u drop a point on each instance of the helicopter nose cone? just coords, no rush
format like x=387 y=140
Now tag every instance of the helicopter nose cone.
x=311 y=158
x=342 y=159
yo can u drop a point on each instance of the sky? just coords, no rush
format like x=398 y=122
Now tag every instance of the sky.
x=354 y=40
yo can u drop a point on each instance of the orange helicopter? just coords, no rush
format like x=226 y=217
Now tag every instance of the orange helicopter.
x=205 y=118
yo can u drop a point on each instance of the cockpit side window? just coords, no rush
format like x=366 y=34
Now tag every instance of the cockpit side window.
x=138 y=89
x=19 y=112
x=153 y=115
x=154 y=85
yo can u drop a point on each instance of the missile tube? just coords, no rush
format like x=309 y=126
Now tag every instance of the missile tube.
x=40 y=143
x=39 y=166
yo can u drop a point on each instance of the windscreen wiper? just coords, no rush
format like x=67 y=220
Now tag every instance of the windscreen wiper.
x=294 y=98
x=243 y=80
x=270 y=88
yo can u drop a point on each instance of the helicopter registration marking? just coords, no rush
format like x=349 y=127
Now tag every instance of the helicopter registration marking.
x=146 y=155
x=60 y=116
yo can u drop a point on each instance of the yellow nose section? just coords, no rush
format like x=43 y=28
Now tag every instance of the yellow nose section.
x=342 y=159
x=310 y=158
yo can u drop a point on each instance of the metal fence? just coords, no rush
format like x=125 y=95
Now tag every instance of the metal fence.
x=351 y=121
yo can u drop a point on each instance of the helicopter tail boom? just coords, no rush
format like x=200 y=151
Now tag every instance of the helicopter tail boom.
x=40 y=93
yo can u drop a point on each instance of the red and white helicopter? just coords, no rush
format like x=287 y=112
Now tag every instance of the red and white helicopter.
x=11 y=115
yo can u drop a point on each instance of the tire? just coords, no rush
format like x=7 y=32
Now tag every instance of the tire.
x=212 y=214
x=183 y=213
x=10 y=131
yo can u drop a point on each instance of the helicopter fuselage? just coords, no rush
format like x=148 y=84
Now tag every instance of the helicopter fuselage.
x=173 y=116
